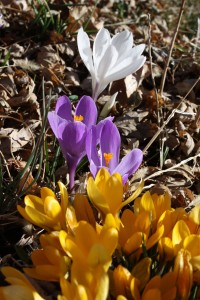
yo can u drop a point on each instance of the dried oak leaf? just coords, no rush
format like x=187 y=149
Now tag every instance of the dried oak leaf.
x=18 y=138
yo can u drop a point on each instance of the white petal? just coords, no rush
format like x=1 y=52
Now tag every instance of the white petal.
x=126 y=68
x=101 y=43
x=85 y=50
x=108 y=61
x=123 y=42
x=138 y=50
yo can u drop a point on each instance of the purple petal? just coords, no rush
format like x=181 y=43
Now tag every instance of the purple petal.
x=72 y=138
x=100 y=125
x=72 y=163
x=64 y=108
x=110 y=143
x=130 y=163
x=91 y=150
x=87 y=108
x=55 y=121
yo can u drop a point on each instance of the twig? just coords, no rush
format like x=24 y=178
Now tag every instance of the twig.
x=173 y=167
x=169 y=118
x=6 y=165
x=155 y=89
x=171 y=47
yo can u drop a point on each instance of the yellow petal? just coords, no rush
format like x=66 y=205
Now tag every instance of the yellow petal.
x=70 y=218
x=142 y=271
x=192 y=244
x=101 y=178
x=153 y=294
x=103 y=288
x=53 y=255
x=134 y=289
x=152 y=240
x=133 y=243
x=24 y=214
x=40 y=219
x=109 y=238
x=38 y=257
x=35 y=202
x=114 y=193
x=143 y=222
x=127 y=228
x=45 y=192
x=195 y=261
x=179 y=232
x=184 y=274
x=63 y=237
x=168 y=282
x=134 y=195
x=83 y=209
x=154 y=283
x=86 y=236
x=161 y=203
x=52 y=208
x=166 y=249
x=194 y=215
x=13 y=274
x=145 y=203
x=96 y=197
x=19 y=293
x=44 y=272
x=98 y=255
x=63 y=195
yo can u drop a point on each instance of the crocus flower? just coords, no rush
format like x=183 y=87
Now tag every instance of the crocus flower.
x=19 y=288
x=108 y=154
x=111 y=59
x=50 y=262
x=104 y=189
x=46 y=211
x=71 y=131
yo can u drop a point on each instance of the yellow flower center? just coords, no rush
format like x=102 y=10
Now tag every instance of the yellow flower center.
x=78 y=118
x=107 y=157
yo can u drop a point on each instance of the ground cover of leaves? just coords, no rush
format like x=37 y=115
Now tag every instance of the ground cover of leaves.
x=39 y=61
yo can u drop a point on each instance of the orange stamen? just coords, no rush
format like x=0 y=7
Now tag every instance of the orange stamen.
x=78 y=118
x=107 y=157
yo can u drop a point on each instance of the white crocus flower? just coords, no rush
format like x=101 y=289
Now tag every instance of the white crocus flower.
x=111 y=59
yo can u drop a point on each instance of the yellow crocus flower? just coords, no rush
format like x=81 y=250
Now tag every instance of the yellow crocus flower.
x=50 y=262
x=47 y=211
x=89 y=246
x=76 y=291
x=184 y=274
x=19 y=288
x=161 y=288
x=106 y=192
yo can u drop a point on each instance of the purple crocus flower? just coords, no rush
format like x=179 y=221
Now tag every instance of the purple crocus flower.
x=109 y=150
x=71 y=131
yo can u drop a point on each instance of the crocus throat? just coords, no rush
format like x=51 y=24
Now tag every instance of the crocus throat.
x=78 y=118
x=107 y=157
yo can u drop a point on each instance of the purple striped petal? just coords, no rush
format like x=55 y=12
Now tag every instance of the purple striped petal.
x=130 y=163
x=110 y=143
x=87 y=108
x=64 y=108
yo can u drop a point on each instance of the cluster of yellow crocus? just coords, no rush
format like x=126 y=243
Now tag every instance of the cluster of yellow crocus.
x=106 y=245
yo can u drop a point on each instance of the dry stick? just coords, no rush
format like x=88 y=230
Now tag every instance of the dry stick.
x=153 y=81
x=169 y=118
x=173 y=167
x=171 y=48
